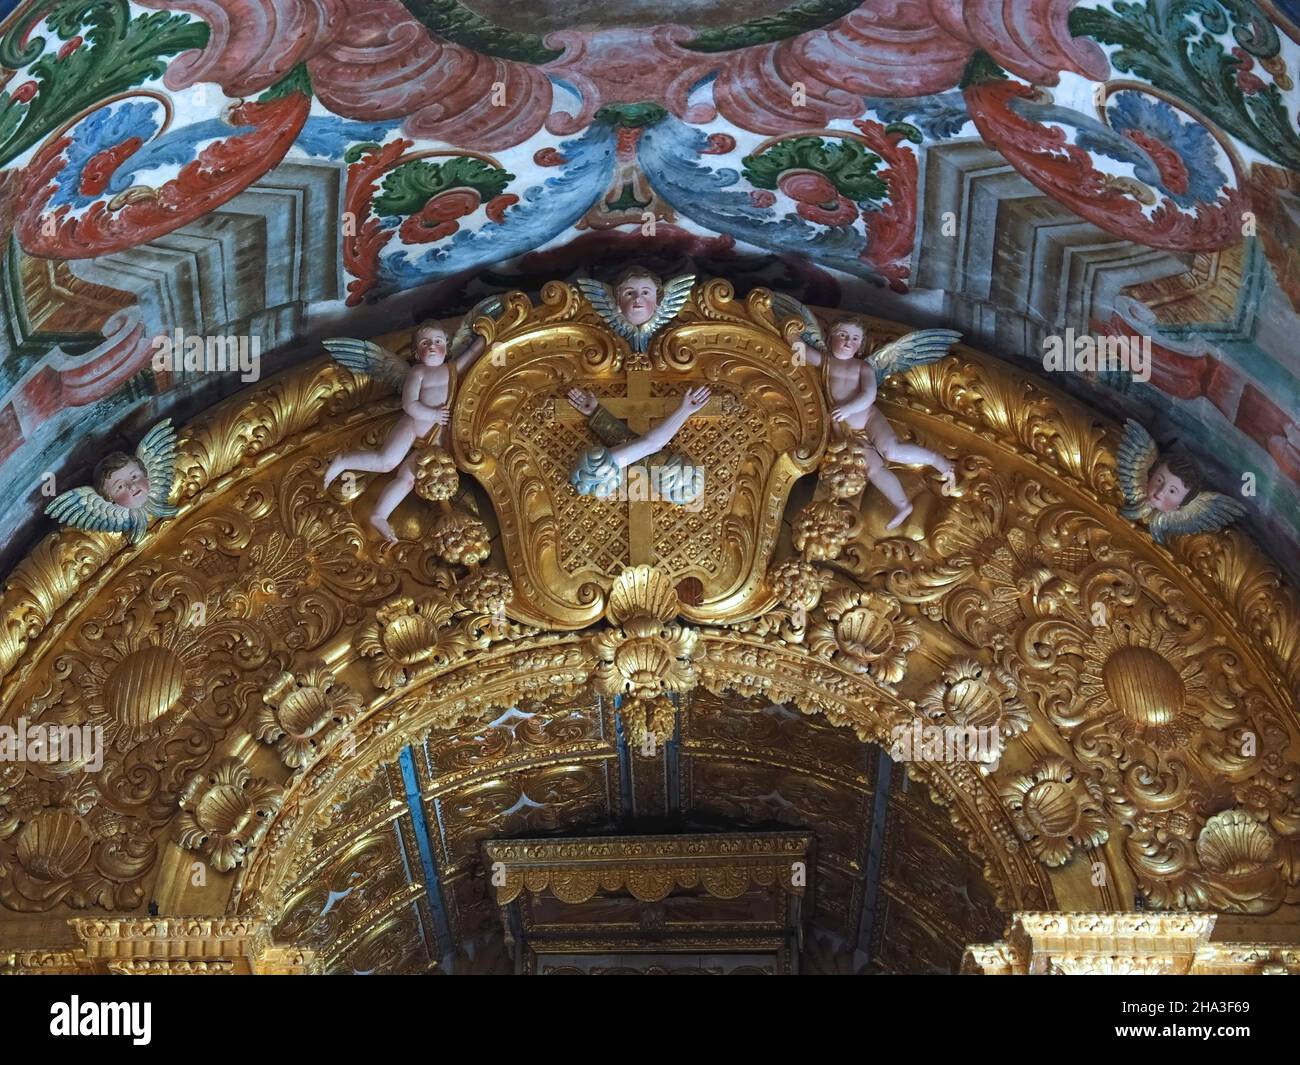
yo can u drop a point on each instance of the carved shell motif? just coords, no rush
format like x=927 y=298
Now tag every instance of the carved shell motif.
x=1234 y=844
x=641 y=590
x=53 y=845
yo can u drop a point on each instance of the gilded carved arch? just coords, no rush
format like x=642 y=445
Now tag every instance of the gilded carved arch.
x=266 y=598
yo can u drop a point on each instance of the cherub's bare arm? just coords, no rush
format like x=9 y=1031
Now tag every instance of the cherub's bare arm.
x=657 y=438
x=805 y=352
x=466 y=358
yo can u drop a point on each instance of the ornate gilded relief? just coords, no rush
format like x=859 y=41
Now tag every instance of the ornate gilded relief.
x=515 y=433
x=1145 y=692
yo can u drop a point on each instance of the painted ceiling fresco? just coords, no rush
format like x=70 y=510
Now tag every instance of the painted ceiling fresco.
x=268 y=170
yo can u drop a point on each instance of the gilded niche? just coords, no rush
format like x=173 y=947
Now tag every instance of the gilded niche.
x=516 y=431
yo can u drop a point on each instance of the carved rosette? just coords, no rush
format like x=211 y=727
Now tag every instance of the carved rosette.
x=407 y=633
x=644 y=653
x=973 y=695
x=1056 y=810
x=299 y=712
x=865 y=632
x=225 y=812
x=141 y=684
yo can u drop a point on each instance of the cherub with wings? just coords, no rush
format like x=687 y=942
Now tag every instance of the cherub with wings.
x=639 y=304
x=1165 y=494
x=427 y=389
x=852 y=384
x=128 y=489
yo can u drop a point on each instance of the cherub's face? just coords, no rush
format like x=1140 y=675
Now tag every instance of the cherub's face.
x=431 y=346
x=128 y=487
x=1165 y=491
x=846 y=340
x=638 y=299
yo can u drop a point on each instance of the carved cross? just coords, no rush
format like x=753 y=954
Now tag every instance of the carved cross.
x=641 y=411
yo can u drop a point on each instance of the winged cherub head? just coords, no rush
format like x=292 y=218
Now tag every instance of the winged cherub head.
x=1172 y=482
x=126 y=490
x=431 y=342
x=121 y=479
x=638 y=293
x=1165 y=492
x=847 y=336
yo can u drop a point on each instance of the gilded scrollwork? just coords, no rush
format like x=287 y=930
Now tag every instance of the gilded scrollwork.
x=1145 y=692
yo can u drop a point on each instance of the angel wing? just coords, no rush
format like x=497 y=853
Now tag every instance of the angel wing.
x=914 y=349
x=84 y=508
x=157 y=454
x=1206 y=512
x=1137 y=452
x=367 y=359
x=786 y=306
x=490 y=307
x=676 y=293
x=601 y=298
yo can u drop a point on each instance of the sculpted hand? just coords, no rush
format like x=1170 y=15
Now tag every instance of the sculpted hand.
x=584 y=402
x=695 y=399
x=441 y=416
x=800 y=351
x=840 y=414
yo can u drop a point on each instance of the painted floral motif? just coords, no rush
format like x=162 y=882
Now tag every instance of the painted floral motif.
x=1182 y=159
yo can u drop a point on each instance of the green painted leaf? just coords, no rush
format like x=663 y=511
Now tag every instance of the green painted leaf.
x=632 y=116
x=845 y=164
x=118 y=53
x=297 y=80
x=410 y=186
x=453 y=21
x=796 y=19
x=1160 y=41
